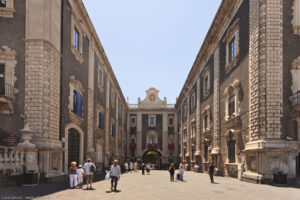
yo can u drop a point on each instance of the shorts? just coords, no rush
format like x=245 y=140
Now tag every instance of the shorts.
x=89 y=177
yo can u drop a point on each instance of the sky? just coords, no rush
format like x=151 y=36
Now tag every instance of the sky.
x=151 y=43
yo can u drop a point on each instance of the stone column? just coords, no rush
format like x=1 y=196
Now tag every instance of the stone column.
x=117 y=129
x=107 y=122
x=216 y=111
x=165 y=138
x=198 y=131
x=139 y=135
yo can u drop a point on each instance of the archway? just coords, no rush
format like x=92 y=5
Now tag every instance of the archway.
x=70 y=129
x=153 y=157
x=298 y=165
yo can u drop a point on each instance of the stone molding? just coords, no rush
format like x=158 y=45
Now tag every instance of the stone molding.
x=296 y=17
x=9 y=10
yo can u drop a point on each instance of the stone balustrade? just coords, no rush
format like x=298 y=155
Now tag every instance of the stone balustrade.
x=11 y=161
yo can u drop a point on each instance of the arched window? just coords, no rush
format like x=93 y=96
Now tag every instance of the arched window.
x=152 y=139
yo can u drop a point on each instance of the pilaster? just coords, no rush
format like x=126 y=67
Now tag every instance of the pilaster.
x=216 y=111
x=139 y=135
x=107 y=123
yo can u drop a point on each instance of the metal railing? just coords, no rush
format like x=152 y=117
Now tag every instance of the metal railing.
x=7 y=90
x=295 y=98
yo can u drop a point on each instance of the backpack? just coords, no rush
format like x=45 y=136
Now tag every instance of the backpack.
x=92 y=168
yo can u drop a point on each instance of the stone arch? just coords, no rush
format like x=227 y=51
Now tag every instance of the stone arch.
x=81 y=145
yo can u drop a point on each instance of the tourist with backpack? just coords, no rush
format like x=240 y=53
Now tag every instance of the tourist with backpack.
x=89 y=169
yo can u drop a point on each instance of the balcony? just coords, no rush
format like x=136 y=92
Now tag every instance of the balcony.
x=7 y=97
x=295 y=100
x=152 y=146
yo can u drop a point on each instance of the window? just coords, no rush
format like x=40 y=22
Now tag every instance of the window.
x=184 y=135
x=206 y=85
x=100 y=77
x=232 y=49
x=231 y=40
x=2 y=79
x=77 y=103
x=206 y=153
x=193 y=100
x=231 y=151
x=231 y=106
x=171 y=121
x=152 y=121
x=152 y=139
x=232 y=100
x=185 y=110
x=76 y=39
x=133 y=121
x=2 y=3
x=113 y=129
x=101 y=121
x=206 y=121
x=193 y=154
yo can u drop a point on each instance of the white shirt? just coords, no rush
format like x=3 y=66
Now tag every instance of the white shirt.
x=80 y=172
x=87 y=167
x=115 y=170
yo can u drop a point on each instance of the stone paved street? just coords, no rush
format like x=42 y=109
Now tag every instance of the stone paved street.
x=196 y=186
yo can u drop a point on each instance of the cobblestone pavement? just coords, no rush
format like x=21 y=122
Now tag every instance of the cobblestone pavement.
x=158 y=187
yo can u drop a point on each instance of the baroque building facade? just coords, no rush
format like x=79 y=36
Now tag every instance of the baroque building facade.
x=239 y=104
x=56 y=81
x=239 y=107
x=151 y=128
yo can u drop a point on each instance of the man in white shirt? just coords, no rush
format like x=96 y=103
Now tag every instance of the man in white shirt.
x=89 y=169
x=115 y=173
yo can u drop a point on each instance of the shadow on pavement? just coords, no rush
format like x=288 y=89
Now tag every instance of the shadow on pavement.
x=35 y=191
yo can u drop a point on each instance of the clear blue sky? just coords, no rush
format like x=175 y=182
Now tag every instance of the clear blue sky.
x=151 y=43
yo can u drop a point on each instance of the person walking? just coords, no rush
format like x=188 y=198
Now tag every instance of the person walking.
x=73 y=175
x=115 y=173
x=148 y=167
x=211 y=170
x=131 y=166
x=143 y=169
x=89 y=170
x=126 y=167
x=172 y=172
x=80 y=175
x=181 y=172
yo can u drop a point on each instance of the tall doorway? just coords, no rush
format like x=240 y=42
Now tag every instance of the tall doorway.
x=298 y=166
x=73 y=146
x=2 y=79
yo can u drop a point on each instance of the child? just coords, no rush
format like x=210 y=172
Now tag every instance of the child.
x=181 y=172
x=80 y=175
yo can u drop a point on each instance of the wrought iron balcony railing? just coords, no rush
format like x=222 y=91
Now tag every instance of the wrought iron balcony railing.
x=152 y=146
x=8 y=91
x=295 y=99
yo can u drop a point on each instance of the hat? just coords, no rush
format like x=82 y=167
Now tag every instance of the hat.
x=80 y=166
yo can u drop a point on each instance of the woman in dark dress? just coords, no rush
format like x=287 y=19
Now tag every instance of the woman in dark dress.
x=143 y=169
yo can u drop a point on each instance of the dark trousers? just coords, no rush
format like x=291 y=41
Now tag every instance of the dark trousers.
x=114 y=179
x=211 y=174
x=143 y=171
x=171 y=177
